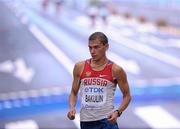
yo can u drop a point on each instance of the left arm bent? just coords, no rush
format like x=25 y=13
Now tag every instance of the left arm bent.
x=120 y=75
x=121 y=78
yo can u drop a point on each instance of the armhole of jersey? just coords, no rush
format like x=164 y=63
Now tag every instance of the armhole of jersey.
x=83 y=69
x=113 y=79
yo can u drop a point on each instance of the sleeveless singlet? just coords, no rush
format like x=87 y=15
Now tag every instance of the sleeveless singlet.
x=97 y=90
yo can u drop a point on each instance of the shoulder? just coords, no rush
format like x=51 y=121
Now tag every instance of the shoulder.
x=118 y=71
x=79 y=64
x=116 y=67
x=78 y=67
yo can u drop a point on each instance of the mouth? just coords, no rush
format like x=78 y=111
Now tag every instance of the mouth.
x=93 y=56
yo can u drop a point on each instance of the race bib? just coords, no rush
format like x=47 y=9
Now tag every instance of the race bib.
x=93 y=97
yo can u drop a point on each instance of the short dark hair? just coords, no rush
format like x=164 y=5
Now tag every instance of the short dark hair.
x=100 y=36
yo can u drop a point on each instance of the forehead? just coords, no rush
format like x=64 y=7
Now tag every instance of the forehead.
x=95 y=42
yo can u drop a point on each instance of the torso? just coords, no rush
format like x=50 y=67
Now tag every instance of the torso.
x=97 y=89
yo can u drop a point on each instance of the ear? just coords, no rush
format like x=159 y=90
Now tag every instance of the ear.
x=107 y=46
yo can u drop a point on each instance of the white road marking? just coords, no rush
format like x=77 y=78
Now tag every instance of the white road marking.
x=173 y=43
x=52 y=48
x=24 y=124
x=7 y=66
x=150 y=39
x=22 y=71
x=19 y=69
x=129 y=65
x=157 y=118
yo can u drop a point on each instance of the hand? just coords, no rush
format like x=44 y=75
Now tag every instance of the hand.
x=71 y=114
x=112 y=118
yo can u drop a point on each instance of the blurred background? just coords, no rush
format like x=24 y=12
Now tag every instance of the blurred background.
x=41 y=40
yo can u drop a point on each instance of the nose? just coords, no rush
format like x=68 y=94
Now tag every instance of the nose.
x=92 y=50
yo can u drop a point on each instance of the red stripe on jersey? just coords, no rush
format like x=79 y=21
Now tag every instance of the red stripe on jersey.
x=106 y=73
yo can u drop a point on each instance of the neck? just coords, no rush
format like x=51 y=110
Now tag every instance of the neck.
x=99 y=63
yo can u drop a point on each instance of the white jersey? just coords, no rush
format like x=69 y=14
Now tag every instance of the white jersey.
x=97 y=90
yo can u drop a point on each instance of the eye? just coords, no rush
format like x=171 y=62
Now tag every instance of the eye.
x=96 y=47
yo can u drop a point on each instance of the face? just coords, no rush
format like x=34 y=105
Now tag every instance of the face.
x=97 y=49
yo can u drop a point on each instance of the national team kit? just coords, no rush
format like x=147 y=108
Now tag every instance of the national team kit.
x=97 y=89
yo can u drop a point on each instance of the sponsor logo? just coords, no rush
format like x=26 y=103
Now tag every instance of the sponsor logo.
x=102 y=75
x=94 y=90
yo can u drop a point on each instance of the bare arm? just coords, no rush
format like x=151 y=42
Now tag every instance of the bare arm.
x=120 y=75
x=75 y=88
x=121 y=78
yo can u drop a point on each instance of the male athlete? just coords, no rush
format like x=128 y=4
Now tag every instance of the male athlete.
x=97 y=78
